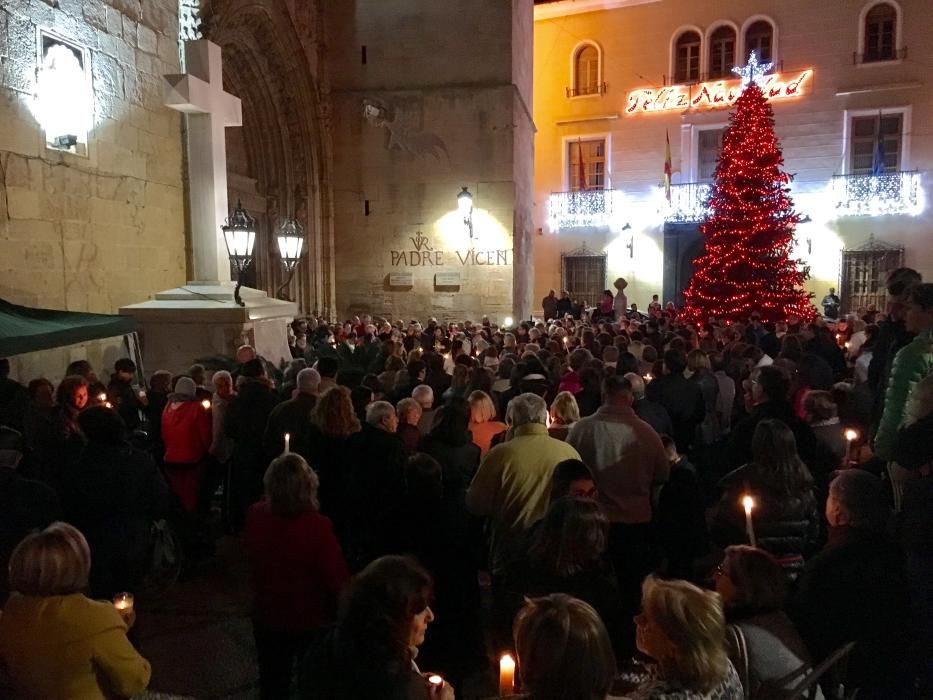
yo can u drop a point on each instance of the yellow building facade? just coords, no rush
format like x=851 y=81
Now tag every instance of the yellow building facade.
x=615 y=80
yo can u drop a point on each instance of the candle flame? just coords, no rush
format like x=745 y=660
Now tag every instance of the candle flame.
x=206 y=403
x=102 y=397
x=851 y=434
x=107 y=404
x=435 y=679
x=748 y=503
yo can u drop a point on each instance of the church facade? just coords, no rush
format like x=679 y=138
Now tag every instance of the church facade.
x=361 y=122
x=615 y=80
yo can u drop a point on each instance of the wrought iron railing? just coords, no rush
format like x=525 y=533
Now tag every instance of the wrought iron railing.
x=583 y=208
x=688 y=203
x=874 y=195
x=595 y=89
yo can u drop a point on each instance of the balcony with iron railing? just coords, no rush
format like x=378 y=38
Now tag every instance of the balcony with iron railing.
x=688 y=203
x=583 y=209
x=583 y=90
x=876 y=195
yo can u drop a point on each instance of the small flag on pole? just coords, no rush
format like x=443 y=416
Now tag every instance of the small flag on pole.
x=582 y=167
x=668 y=166
x=877 y=156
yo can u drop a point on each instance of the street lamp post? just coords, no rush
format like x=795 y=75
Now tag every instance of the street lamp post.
x=291 y=240
x=240 y=238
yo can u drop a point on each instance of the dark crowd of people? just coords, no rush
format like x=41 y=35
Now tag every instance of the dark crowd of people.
x=627 y=504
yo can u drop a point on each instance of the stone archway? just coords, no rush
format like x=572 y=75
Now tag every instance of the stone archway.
x=273 y=61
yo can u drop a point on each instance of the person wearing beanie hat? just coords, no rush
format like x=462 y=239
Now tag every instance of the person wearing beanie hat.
x=294 y=418
x=186 y=432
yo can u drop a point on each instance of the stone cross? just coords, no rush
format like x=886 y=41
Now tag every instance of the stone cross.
x=199 y=93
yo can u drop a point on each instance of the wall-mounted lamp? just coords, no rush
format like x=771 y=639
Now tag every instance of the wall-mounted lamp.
x=240 y=237
x=631 y=246
x=805 y=219
x=809 y=246
x=465 y=205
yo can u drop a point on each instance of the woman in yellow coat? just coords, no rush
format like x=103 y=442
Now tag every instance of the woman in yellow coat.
x=55 y=643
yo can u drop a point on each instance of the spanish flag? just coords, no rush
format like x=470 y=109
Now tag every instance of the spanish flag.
x=668 y=166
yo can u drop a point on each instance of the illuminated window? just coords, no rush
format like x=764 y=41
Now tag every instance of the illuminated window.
x=876 y=144
x=709 y=144
x=63 y=98
x=586 y=71
x=759 y=37
x=722 y=53
x=880 y=34
x=586 y=164
x=687 y=58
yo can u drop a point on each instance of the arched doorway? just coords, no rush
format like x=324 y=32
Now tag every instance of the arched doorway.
x=279 y=160
x=683 y=243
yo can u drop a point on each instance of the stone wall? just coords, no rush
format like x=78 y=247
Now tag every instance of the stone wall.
x=429 y=97
x=98 y=232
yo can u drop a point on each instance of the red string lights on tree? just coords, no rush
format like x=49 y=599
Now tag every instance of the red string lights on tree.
x=749 y=228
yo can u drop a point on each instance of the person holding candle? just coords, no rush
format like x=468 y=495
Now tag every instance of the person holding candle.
x=186 y=432
x=786 y=520
x=295 y=587
x=293 y=417
x=54 y=641
x=563 y=651
x=371 y=652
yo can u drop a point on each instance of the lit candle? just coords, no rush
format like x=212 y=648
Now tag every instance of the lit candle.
x=123 y=602
x=649 y=377
x=435 y=679
x=107 y=404
x=748 y=503
x=206 y=404
x=851 y=436
x=287 y=439
x=102 y=397
x=506 y=675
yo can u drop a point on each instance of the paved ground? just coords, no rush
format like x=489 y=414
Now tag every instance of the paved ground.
x=198 y=637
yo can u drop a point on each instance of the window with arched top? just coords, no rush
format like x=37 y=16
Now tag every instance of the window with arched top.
x=687 y=57
x=759 y=37
x=586 y=71
x=880 y=42
x=722 y=52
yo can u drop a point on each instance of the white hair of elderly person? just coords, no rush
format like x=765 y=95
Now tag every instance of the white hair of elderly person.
x=525 y=409
x=638 y=385
x=381 y=415
x=307 y=381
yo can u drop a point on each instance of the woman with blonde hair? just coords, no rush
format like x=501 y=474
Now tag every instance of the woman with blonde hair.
x=54 y=641
x=295 y=586
x=683 y=628
x=564 y=412
x=483 y=423
x=563 y=650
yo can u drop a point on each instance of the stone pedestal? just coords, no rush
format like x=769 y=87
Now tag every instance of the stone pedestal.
x=201 y=319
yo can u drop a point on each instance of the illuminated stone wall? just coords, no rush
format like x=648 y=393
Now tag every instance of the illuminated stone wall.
x=442 y=102
x=98 y=232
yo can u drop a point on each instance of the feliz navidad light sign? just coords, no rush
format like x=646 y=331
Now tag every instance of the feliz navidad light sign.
x=713 y=95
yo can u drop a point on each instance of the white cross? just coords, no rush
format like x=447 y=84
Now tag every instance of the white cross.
x=199 y=93
x=753 y=71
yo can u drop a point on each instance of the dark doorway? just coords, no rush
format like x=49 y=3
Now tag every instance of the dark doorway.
x=683 y=243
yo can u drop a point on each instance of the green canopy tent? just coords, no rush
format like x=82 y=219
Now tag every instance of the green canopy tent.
x=23 y=329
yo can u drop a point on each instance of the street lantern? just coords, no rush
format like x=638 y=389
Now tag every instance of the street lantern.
x=465 y=205
x=240 y=238
x=291 y=240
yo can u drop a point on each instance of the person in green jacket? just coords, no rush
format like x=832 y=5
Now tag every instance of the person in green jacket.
x=912 y=363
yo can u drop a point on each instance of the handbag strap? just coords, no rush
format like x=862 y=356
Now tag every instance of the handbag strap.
x=741 y=647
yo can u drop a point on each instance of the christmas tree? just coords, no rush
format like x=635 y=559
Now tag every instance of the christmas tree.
x=749 y=229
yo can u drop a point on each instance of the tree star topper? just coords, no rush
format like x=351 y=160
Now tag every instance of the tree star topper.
x=753 y=71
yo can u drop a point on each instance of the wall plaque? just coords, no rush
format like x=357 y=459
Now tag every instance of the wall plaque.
x=446 y=279
x=401 y=279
